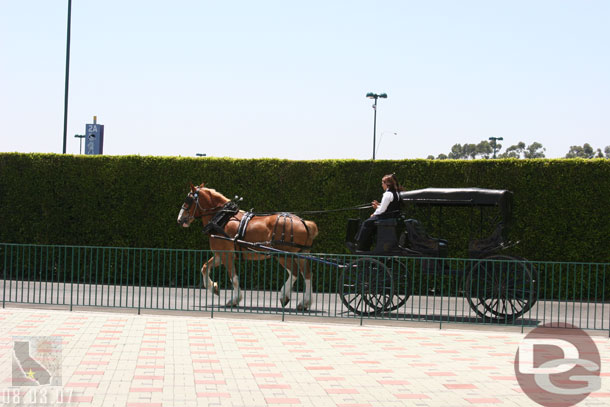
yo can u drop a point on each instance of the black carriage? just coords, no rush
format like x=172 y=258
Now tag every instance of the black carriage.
x=497 y=286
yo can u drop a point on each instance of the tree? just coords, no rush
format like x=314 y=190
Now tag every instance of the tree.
x=485 y=150
x=533 y=151
x=513 y=151
x=457 y=152
x=607 y=151
x=586 y=151
x=470 y=150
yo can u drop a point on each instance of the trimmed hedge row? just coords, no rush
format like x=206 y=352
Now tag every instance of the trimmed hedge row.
x=560 y=209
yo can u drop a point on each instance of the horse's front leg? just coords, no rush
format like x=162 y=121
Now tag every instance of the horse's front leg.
x=211 y=286
x=236 y=296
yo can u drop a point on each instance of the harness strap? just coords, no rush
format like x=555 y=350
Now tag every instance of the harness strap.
x=282 y=241
x=243 y=225
x=218 y=222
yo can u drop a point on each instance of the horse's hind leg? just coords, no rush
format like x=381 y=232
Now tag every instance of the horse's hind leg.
x=293 y=266
x=306 y=303
x=212 y=262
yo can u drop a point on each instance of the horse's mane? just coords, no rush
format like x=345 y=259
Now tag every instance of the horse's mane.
x=217 y=195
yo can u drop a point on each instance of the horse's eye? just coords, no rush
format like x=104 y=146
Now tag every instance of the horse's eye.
x=189 y=200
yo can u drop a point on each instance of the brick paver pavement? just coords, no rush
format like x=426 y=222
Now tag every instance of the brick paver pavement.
x=122 y=359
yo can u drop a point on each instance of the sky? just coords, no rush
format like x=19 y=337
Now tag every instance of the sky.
x=288 y=79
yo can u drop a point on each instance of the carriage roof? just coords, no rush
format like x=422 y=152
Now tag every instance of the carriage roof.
x=461 y=197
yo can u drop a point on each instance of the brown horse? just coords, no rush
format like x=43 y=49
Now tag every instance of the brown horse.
x=297 y=235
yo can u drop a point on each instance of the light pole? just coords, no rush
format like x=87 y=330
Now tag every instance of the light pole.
x=67 y=76
x=81 y=137
x=494 y=143
x=375 y=96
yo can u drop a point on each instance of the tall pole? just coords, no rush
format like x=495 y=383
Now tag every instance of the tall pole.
x=374 y=126
x=375 y=96
x=67 y=76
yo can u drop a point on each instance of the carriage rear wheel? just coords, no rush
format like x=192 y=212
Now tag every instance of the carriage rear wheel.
x=366 y=287
x=501 y=288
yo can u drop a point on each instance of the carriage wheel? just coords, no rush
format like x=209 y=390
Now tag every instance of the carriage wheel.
x=401 y=280
x=366 y=287
x=501 y=287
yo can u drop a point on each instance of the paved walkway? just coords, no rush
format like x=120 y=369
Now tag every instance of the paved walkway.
x=122 y=359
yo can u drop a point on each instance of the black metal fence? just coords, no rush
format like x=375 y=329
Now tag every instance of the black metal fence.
x=502 y=290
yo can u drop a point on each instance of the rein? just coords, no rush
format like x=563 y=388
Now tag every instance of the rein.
x=349 y=208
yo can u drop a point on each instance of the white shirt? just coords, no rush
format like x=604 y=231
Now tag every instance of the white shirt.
x=386 y=198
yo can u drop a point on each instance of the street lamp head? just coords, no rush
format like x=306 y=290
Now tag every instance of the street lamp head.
x=372 y=95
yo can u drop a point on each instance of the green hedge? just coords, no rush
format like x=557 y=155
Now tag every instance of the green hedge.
x=560 y=207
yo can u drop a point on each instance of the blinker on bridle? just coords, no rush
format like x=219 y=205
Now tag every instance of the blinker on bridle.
x=194 y=197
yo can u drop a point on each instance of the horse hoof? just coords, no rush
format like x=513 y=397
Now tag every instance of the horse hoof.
x=233 y=303
x=302 y=307
x=284 y=301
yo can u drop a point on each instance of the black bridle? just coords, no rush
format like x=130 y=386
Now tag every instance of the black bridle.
x=193 y=197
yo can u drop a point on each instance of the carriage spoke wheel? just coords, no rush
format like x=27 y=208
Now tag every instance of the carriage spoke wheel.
x=501 y=288
x=401 y=280
x=366 y=287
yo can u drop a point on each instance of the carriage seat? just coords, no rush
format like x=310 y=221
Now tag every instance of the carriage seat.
x=386 y=241
x=482 y=247
x=420 y=241
x=386 y=235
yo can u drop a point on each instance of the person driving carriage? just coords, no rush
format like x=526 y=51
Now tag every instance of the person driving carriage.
x=388 y=208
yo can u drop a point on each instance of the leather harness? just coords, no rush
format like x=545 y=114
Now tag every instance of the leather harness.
x=216 y=226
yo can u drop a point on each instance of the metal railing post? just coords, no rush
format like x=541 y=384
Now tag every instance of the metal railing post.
x=4 y=249
x=207 y=291
x=440 y=317
x=140 y=284
x=71 y=278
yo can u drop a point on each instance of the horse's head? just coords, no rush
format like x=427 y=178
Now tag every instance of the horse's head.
x=189 y=207
x=200 y=202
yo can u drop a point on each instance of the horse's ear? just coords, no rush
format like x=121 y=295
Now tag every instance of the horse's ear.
x=202 y=185
x=193 y=189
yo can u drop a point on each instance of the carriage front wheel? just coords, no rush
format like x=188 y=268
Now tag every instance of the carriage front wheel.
x=501 y=288
x=366 y=287
x=401 y=283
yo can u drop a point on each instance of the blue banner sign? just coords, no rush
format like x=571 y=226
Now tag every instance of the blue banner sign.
x=94 y=140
